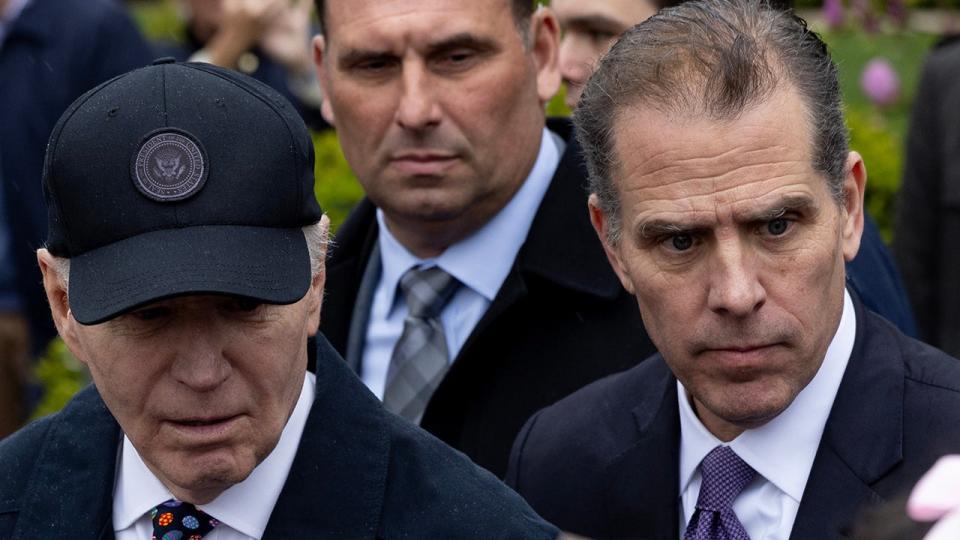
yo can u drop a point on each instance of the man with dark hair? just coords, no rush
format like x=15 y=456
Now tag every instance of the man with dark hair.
x=468 y=289
x=186 y=270
x=590 y=27
x=728 y=201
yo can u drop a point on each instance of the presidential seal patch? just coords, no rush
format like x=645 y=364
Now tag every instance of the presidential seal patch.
x=170 y=166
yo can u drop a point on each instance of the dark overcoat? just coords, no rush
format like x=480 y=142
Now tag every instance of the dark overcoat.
x=360 y=472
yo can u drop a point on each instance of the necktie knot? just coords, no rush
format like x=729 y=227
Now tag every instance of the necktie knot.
x=176 y=520
x=427 y=291
x=725 y=475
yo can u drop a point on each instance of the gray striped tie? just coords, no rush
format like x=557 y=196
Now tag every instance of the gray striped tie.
x=420 y=357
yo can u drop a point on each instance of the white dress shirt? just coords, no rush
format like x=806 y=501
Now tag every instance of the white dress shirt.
x=10 y=14
x=781 y=451
x=480 y=261
x=243 y=510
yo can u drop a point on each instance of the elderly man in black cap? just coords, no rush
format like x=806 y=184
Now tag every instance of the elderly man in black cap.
x=185 y=268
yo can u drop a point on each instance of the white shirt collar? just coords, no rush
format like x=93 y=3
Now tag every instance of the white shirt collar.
x=782 y=450
x=482 y=260
x=245 y=507
x=9 y=15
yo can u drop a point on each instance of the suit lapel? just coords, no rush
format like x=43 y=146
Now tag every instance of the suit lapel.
x=642 y=498
x=357 y=337
x=341 y=462
x=351 y=251
x=576 y=262
x=862 y=440
x=78 y=460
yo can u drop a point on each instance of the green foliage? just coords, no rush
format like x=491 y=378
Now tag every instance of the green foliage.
x=881 y=5
x=157 y=19
x=878 y=133
x=60 y=375
x=336 y=188
x=872 y=136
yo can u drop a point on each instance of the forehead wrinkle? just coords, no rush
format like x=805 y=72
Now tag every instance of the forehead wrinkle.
x=667 y=167
x=407 y=27
x=706 y=211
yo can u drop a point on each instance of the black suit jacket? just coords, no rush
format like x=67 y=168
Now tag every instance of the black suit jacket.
x=560 y=320
x=927 y=235
x=604 y=462
x=360 y=472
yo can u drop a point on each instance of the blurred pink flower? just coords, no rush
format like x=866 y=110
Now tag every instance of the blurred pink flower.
x=880 y=82
x=833 y=13
x=936 y=497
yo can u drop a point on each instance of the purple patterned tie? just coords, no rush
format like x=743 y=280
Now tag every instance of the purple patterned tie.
x=724 y=477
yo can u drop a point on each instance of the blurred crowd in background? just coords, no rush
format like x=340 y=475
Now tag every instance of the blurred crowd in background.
x=51 y=51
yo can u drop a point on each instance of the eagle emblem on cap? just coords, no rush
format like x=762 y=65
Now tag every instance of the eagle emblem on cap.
x=170 y=165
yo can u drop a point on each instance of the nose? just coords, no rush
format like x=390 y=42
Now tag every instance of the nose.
x=735 y=287
x=418 y=109
x=575 y=63
x=572 y=60
x=201 y=364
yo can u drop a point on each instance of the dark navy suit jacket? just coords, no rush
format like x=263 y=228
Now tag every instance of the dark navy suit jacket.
x=55 y=51
x=360 y=472
x=604 y=462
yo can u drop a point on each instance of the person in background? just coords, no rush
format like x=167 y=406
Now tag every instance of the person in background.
x=928 y=205
x=51 y=51
x=728 y=201
x=266 y=39
x=185 y=268
x=590 y=27
x=13 y=340
x=467 y=289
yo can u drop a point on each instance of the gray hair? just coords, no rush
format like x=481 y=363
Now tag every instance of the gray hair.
x=713 y=58
x=316 y=236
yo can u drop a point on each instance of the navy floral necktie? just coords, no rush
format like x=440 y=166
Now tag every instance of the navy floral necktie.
x=175 y=520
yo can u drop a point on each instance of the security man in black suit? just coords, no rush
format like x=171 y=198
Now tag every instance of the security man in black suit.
x=439 y=107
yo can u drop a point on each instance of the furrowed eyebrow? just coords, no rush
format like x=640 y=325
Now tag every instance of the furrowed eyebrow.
x=594 y=22
x=796 y=203
x=464 y=40
x=356 y=56
x=656 y=228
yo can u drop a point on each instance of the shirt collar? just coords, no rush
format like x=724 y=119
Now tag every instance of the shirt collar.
x=482 y=260
x=245 y=507
x=9 y=15
x=782 y=450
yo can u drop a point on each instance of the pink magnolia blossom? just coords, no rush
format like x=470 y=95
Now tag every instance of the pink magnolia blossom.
x=880 y=82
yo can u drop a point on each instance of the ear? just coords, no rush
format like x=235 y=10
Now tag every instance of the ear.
x=545 y=46
x=601 y=226
x=59 y=303
x=854 y=186
x=319 y=46
x=315 y=293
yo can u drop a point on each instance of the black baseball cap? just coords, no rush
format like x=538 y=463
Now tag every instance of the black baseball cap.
x=180 y=179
